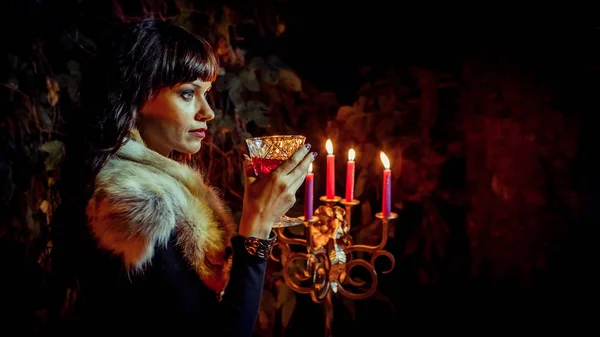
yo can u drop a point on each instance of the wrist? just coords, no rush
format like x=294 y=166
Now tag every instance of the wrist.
x=258 y=248
x=254 y=227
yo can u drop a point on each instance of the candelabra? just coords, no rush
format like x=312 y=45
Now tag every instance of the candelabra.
x=328 y=256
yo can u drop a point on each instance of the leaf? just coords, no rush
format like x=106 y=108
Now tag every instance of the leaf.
x=270 y=75
x=70 y=82
x=256 y=63
x=359 y=106
x=344 y=112
x=356 y=123
x=221 y=123
x=275 y=62
x=273 y=93
x=432 y=158
x=385 y=128
x=255 y=111
x=225 y=81
x=240 y=56
x=55 y=151
x=53 y=89
x=280 y=29
x=12 y=83
x=386 y=100
x=248 y=79
x=43 y=115
x=289 y=80
x=74 y=67
x=45 y=207
x=235 y=92
x=286 y=302
x=32 y=225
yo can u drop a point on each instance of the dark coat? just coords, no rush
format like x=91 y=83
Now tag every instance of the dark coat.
x=162 y=254
x=169 y=296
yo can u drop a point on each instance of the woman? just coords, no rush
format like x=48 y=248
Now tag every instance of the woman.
x=159 y=250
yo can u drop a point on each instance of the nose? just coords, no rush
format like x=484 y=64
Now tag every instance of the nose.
x=205 y=113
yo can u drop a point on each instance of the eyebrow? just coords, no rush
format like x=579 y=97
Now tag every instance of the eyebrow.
x=199 y=87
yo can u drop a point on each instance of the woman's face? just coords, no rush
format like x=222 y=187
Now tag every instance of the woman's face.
x=176 y=118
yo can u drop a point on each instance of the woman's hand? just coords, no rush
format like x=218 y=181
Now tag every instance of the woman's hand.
x=269 y=197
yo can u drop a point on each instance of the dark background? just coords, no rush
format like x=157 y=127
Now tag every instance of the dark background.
x=327 y=43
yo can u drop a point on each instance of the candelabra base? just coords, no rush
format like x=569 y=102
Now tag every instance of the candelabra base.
x=327 y=265
x=329 y=201
x=389 y=217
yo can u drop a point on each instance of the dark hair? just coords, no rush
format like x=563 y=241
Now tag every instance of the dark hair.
x=137 y=61
x=140 y=60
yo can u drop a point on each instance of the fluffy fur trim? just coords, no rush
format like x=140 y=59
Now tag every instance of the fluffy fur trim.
x=141 y=197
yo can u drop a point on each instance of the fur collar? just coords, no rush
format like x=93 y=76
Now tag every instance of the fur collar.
x=141 y=197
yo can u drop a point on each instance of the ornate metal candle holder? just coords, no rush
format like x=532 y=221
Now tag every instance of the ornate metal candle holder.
x=328 y=256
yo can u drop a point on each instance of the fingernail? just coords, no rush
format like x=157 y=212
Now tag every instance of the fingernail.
x=314 y=154
x=307 y=146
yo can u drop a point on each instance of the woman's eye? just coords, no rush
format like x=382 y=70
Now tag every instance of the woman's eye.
x=187 y=95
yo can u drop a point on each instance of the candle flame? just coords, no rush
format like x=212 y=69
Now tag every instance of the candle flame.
x=351 y=155
x=329 y=146
x=310 y=168
x=385 y=160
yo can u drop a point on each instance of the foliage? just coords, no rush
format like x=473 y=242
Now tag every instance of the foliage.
x=253 y=95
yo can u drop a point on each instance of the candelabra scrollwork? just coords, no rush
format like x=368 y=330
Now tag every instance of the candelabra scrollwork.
x=322 y=262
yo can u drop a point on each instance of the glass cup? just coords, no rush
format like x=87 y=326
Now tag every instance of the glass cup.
x=267 y=153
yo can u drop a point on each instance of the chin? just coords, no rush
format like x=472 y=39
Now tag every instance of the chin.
x=190 y=148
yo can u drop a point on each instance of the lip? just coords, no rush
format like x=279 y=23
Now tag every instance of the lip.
x=200 y=133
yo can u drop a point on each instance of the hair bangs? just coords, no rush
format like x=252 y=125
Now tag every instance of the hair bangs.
x=188 y=59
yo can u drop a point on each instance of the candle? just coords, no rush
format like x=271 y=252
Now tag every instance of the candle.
x=330 y=170
x=386 y=200
x=308 y=195
x=350 y=176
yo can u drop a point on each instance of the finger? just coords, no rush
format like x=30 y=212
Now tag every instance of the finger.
x=288 y=165
x=295 y=185
x=249 y=172
x=298 y=174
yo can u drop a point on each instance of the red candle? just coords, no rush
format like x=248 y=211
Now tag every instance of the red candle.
x=350 y=176
x=386 y=200
x=308 y=195
x=330 y=170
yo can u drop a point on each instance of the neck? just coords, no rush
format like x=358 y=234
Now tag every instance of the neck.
x=155 y=146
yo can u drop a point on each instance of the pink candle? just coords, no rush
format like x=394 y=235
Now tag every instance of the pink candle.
x=350 y=176
x=308 y=195
x=330 y=170
x=386 y=200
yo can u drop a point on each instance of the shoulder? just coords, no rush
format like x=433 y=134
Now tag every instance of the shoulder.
x=133 y=209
